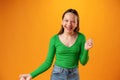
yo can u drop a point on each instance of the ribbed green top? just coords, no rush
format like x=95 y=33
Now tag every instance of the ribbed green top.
x=66 y=57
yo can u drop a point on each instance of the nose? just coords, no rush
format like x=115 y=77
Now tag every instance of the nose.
x=69 y=23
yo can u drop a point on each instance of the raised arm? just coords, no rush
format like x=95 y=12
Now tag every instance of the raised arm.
x=86 y=45
x=83 y=53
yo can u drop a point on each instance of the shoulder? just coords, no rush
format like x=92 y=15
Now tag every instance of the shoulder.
x=81 y=35
x=53 y=38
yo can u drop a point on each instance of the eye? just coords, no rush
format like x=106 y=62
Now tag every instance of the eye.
x=66 y=20
x=73 y=21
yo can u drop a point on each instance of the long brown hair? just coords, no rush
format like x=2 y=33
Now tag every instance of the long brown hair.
x=74 y=12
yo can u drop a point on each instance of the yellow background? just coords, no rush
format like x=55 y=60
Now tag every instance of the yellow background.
x=27 y=25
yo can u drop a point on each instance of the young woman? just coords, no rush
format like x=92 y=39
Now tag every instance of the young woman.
x=69 y=46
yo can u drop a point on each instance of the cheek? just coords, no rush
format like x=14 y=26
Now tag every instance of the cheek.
x=75 y=25
x=63 y=24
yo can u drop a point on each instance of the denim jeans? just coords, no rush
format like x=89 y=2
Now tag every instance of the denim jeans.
x=59 y=73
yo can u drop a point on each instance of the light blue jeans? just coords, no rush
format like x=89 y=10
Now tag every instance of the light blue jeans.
x=59 y=73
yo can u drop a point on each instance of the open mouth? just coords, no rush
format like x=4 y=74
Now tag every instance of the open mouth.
x=69 y=28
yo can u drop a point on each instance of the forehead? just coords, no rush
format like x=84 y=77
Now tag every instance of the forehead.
x=70 y=15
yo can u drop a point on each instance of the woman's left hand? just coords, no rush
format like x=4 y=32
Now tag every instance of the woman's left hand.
x=89 y=44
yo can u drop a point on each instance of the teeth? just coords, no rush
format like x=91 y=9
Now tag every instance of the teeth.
x=69 y=28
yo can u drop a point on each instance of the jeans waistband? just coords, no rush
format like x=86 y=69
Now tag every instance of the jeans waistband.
x=68 y=69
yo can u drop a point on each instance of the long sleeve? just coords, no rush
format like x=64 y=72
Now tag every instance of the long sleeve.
x=48 y=62
x=83 y=54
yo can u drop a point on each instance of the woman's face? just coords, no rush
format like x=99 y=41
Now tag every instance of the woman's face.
x=69 y=22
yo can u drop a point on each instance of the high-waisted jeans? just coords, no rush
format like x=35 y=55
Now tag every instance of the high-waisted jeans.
x=59 y=73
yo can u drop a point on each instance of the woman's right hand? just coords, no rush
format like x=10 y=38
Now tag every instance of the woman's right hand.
x=25 y=77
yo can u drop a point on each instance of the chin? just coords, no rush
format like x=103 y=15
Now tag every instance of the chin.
x=69 y=31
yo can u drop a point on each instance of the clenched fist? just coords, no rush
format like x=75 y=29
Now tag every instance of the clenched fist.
x=88 y=44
